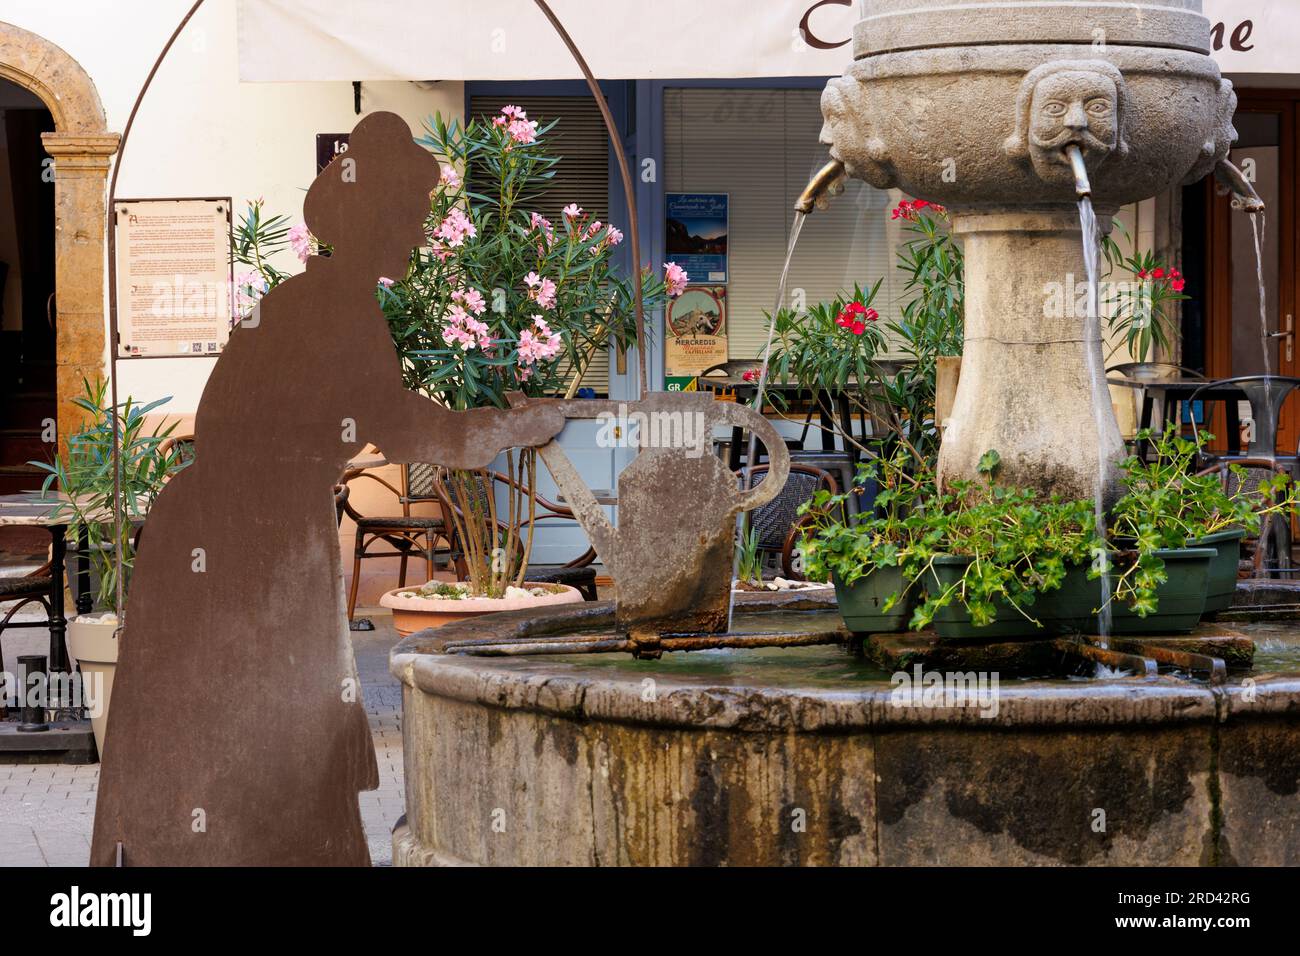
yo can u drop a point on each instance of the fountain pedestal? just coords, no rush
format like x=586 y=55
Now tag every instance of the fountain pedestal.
x=1026 y=388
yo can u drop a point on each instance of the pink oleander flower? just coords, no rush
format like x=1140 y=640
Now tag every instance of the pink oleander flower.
x=300 y=241
x=249 y=287
x=523 y=131
x=513 y=112
x=541 y=224
x=456 y=228
x=615 y=236
x=572 y=211
x=538 y=343
x=675 y=279
x=750 y=375
x=449 y=177
x=386 y=282
x=540 y=290
x=471 y=299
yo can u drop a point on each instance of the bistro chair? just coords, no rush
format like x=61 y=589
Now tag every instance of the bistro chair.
x=36 y=587
x=1271 y=551
x=1266 y=394
x=779 y=524
x=405 y=534
x=577 y=573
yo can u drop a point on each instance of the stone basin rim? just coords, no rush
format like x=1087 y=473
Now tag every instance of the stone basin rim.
x=535 y=684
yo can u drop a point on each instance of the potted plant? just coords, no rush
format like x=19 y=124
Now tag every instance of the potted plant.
x=1168 y=507
x=1136 y=304
x=862 y=555
x=999 y=562
x=501 y=301
x=89 y=504
x=840 y=345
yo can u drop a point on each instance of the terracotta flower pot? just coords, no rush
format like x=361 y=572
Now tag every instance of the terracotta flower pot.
x=411 y=614
x=93 y=646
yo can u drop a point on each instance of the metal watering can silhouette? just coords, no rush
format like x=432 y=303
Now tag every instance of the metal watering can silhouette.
x=672 y=553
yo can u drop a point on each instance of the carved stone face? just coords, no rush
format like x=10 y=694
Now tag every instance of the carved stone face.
x=1073 y=106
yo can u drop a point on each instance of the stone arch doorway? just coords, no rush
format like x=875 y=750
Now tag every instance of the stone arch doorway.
x=80 y=146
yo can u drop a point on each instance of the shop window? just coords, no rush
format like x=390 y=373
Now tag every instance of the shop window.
x=760 y=147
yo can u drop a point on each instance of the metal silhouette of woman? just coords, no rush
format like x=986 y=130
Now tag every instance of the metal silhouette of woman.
x=238 y=734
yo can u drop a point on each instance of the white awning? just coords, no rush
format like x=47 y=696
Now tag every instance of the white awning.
x=293 y=40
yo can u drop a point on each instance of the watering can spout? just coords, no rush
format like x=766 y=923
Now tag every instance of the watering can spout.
x=828 y=181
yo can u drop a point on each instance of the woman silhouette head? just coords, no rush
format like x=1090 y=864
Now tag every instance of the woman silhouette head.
x=372 y=201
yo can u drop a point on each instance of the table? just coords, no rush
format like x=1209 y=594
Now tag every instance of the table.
x=31 y=509
x=829 y=405
x=1173 y=392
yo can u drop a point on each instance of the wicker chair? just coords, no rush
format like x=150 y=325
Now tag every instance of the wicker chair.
x=1271 y=551
x=405 y=534
x=577 y=573
x=778 y=522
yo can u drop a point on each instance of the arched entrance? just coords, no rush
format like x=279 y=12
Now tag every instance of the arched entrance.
x=80 y=146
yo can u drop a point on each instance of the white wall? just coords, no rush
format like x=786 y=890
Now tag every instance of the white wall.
x=201 y=132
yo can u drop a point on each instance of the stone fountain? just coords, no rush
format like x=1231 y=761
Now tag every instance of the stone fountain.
x=787 y=740
x=1006 y=113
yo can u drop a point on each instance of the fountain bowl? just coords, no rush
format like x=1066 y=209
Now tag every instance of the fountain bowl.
x=810 y=756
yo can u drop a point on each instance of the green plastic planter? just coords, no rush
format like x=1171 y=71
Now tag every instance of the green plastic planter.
x=862 y=602
x=1182 y=597
x=1069 y=609
x=953 y=623
x=1223 y=569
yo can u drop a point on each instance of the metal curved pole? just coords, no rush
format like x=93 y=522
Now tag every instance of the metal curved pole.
x=112 y=311
x=625 y=171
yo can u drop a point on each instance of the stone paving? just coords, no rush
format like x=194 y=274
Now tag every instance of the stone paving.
x=47 y=811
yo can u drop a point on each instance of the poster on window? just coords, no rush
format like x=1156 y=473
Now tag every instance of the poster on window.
x=173 y=277
x=697 y=331
x=697 y=234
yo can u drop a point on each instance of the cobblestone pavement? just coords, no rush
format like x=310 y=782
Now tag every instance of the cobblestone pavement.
x=47 y=811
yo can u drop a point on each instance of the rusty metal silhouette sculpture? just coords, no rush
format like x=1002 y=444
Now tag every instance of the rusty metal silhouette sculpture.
x=238 y=734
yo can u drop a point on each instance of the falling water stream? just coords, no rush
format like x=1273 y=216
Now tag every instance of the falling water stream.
x=752 y=449
x=1100 y=397
x=1257 y=227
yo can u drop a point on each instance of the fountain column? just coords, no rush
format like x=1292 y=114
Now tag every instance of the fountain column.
x=1025 y=387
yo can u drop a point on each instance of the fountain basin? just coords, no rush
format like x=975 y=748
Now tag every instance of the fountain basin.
x=810 y=756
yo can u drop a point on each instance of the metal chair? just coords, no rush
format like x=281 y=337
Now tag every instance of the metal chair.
x=1271 y=556
x=778 y=522
x=1266 y=394
x=577 y=573
x=35 y=587
x=406 y=534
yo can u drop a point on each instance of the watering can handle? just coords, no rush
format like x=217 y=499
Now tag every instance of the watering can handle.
x=778 y=455
x=586 y=509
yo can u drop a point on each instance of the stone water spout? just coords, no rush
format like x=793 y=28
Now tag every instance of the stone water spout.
x=1008 y=113
x=1233 y=182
